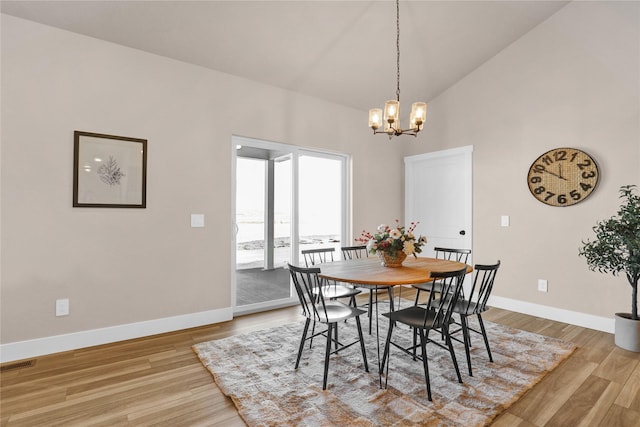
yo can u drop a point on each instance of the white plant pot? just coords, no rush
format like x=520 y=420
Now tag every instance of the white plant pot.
x=627 y=332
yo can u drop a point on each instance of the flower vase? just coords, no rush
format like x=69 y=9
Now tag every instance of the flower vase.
x=393 y=260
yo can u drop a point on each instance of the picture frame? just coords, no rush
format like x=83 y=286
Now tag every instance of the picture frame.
x=109 y=171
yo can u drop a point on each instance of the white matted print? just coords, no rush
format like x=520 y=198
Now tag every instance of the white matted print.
x=109 y=171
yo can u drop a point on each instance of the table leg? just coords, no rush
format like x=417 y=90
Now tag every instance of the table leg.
x=391 y=308
x=378 y=339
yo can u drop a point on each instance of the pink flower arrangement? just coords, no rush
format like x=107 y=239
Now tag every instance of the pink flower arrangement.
x=393 y=240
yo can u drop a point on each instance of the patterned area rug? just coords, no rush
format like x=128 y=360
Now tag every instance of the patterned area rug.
x=256 y=371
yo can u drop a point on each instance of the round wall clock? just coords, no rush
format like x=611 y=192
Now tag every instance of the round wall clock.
x=563 y=177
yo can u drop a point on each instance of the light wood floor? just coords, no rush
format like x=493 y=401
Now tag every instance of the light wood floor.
x=158 y=380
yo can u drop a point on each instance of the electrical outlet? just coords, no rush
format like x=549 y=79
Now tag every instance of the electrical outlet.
x=62 y=307
x=542 y=285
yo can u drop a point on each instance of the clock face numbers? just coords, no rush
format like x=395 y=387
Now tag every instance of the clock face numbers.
x=563 y=177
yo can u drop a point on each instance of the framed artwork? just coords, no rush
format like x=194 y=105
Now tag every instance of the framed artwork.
x=109 y=171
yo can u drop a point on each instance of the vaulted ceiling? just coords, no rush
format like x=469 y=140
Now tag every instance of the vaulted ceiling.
x=341 y=51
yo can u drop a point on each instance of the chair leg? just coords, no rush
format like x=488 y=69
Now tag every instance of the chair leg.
x=484 y=335
x=417 y=296
x=387 y=344
x=326 y=356
x=445 y=330
x=467 y=344
x=425 y=363
x=415 y=342
x=370 y=309
x=313 y=331
x=304 y=337
x=364 y=352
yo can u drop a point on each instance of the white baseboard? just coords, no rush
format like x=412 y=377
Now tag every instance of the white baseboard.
x=55 y=344
x=590 y=321
x=58 y=343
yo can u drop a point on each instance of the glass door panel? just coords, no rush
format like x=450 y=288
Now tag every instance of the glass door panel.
x=320 y=203
x=250 y=214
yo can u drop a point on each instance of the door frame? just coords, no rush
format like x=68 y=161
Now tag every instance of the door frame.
x=466 y=158
x=295 y=152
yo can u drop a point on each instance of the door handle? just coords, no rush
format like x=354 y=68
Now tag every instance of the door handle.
x=462 y=232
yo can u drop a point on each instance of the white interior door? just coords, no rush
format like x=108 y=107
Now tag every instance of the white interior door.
x=438 y=195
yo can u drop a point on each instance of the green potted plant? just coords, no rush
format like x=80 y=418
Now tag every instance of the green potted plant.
x=616 y=249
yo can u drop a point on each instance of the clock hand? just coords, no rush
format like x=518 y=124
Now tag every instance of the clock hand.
x=560 y=171
x=554 y=174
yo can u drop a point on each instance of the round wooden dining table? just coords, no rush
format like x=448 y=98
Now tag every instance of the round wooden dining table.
x=371 y=273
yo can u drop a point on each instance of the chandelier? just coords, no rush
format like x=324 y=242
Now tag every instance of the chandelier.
x=391 y=117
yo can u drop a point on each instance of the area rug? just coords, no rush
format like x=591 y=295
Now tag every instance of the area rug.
x=257 y=371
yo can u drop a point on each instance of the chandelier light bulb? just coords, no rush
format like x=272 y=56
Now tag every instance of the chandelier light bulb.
x=375 y=118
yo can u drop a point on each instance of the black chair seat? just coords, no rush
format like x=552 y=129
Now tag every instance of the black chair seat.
x=336 y=312
x=414 y=316
x=468 y=307
x=338 y=291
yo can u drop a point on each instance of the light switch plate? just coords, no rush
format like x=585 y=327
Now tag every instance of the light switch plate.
x=504 y=220
x=197 y=220
x=542 y=285
x=62 y=307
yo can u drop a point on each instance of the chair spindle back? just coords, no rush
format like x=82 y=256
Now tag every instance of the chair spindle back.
x=317 y=256
x=442 y=307
x=460 y=255
x=354 y=252
x=481 y=289
x=309 y=289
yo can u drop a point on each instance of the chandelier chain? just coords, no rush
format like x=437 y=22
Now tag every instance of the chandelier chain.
x=398 y=49
x=389 y=118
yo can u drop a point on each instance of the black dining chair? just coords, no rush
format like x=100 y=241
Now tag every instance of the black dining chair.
x=333 y=290
x=354 y=252
x=475 y=304
x=449 y=254
x=435 y=316
x=316 y=308
x=358 y=252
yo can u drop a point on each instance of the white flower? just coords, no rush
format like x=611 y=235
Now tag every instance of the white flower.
x=382 y=228
x=423 y=239
x=408 y=247
x=371 y=244
x=395 y=234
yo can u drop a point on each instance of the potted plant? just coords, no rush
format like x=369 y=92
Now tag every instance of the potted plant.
x=616 y=249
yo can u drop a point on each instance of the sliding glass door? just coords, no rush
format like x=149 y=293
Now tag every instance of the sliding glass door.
x=320 y=185
x=287 y=199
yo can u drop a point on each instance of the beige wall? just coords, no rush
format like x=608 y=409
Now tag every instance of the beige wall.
x=572 y=81
x=121 y=266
